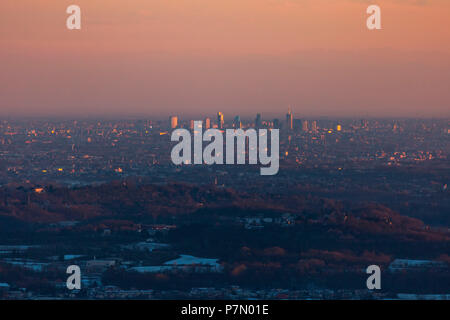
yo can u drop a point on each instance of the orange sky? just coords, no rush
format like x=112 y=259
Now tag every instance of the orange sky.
x=158 y=57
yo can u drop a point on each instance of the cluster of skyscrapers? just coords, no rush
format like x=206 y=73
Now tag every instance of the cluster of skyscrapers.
x=289 y=125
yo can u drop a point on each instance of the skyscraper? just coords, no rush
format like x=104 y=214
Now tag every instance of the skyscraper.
x=314 y=126
x=173 y=122
x=364 y=124
x=207 y=123
x=276 y=124
x=220 y=120
x=305 y=125
x=237 y=122
x=395 y=127
x=289 y=120
x=258 y=121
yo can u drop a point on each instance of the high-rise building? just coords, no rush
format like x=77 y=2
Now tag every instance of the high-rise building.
x=314 y=126
x=173 y=122
x=276 y=124
x=237 y=124
x=289 y=120
x=364 y=124
x=297 y=124
x=220 y=121
x=207 y=123
x=191 y=125
x=258 y=121
x=395 y=127
x=305 y=125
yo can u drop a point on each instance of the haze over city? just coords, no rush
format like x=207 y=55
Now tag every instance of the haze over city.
x=195 y=58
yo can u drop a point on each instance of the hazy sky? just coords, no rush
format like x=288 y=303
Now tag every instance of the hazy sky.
x=192 y=57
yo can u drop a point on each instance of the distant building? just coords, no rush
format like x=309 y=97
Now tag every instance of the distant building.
x=89 y=281
x=289 y=120
x=99 y=265
x=305 y=125
x=220 y=121
x=314 y=127
x=297 y=125
x=207 y=123
x=39 y=190
x=237 y=124
x=395 y=127
x=276 y=124
x=185 y=263
x=258 y=121
x=364 y=124
x=173 y=122
x=415 y=265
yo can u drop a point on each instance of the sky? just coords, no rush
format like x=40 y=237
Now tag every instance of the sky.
x=155 y=58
